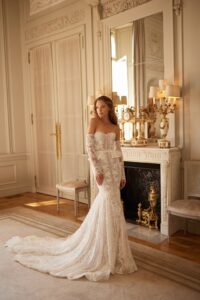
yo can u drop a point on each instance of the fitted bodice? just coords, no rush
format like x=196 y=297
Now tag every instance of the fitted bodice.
x=104 y=141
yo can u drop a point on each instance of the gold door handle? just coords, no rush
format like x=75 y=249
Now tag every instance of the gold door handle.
x=56 y=134
x=59 y=141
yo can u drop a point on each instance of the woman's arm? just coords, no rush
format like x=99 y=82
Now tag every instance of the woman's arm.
x=118 y=148
x=90 y=146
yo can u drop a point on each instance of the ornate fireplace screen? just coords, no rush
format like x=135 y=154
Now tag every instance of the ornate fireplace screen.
x=138 y=194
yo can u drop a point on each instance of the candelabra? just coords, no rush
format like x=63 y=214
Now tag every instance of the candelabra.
x=140 y=121
x=164 y=101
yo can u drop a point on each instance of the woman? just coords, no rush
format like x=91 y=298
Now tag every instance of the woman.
x=100 y=246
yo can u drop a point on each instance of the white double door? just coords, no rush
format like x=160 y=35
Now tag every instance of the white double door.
x=57 y=73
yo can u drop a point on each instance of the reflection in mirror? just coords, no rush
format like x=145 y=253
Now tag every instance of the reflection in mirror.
x=137 y=58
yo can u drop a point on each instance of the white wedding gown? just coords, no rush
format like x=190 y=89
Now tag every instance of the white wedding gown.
x=100 y=246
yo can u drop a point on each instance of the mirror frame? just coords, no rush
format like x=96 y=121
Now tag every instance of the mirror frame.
x=130 y=15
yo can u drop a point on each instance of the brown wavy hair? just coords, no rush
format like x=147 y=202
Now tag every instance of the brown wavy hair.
x=111 y=114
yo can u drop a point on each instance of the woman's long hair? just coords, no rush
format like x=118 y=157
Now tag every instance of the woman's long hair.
x=111 y=114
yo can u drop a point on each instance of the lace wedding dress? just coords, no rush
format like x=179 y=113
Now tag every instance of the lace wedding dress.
x=100 y=246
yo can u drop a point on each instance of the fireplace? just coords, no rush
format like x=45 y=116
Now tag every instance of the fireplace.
x=167 y=162
x=139 y=177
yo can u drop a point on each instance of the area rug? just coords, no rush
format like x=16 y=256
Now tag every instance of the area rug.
x=155 y=268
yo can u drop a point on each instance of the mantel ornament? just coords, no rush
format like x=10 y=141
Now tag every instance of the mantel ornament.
x=164 y=102
x=140 y=122
x=149 y=217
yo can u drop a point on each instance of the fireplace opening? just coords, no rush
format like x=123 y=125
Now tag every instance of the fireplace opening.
x=139 y=177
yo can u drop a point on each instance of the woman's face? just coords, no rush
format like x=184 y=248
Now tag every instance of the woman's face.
x=102 y=109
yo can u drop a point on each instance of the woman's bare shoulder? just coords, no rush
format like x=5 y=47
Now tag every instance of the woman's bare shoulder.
x=93 y=125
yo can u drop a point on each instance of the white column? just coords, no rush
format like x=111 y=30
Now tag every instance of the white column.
x=164 y=174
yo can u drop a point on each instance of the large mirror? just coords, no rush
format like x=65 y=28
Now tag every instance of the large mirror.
x=137 y=58
x=144 y=58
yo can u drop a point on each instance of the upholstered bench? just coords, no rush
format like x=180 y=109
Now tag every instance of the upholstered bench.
x=189 y=206
x=75 y=187
x=188 y=209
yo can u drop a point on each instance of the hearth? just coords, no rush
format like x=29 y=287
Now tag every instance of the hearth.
x=139 y=177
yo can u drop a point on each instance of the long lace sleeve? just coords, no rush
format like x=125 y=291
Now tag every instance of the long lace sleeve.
x=92 y=154
x=118 y=148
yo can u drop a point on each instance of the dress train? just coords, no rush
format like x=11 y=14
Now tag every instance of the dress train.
x=100 y=246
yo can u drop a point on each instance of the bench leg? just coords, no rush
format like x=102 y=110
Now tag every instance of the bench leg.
x=75 y=203
x=88 y=196
x=58 y=195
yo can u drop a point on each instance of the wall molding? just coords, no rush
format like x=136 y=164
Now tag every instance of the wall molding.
x=14 y=157
x=15 y=176
x=8 y=174
x=113 y=7
x=37 y=6
x=55 y=25
x=10 y=191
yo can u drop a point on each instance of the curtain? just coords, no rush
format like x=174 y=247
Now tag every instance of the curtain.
x=138 y=61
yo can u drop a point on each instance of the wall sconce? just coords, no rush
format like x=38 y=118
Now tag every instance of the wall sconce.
x=123 y=100
x=115 y=99
x=164 y=101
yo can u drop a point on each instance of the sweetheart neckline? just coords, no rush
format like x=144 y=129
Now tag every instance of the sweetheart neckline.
x=111 y=132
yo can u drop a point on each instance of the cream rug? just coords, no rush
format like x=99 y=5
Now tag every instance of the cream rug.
x=18 y=282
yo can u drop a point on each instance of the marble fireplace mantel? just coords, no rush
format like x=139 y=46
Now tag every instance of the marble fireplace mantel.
x=169 y=160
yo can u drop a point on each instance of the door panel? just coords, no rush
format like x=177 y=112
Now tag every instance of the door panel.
x=44 y=112
x=69 y=87
x=57 y=76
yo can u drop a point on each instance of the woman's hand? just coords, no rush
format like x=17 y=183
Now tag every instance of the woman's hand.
x=122 y=183
x=99 y=179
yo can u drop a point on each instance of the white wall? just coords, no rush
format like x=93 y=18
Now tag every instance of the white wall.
x=191 y=78
x=14 y=176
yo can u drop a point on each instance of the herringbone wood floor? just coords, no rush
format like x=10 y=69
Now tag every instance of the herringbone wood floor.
x=187 y=246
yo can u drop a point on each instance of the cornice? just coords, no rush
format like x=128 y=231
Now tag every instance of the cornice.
x=113 y=7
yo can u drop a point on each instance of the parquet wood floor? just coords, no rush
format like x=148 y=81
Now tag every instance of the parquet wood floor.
x=180 y=244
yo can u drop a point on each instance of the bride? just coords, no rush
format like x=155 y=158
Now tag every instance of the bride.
x=100 y=246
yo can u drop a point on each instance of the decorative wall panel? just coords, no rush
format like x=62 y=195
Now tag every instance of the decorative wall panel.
x=55 y=24
x=7 y=174
x=40 y=5
x=110 y=8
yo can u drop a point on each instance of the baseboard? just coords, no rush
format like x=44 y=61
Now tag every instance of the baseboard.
x=11 y=191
